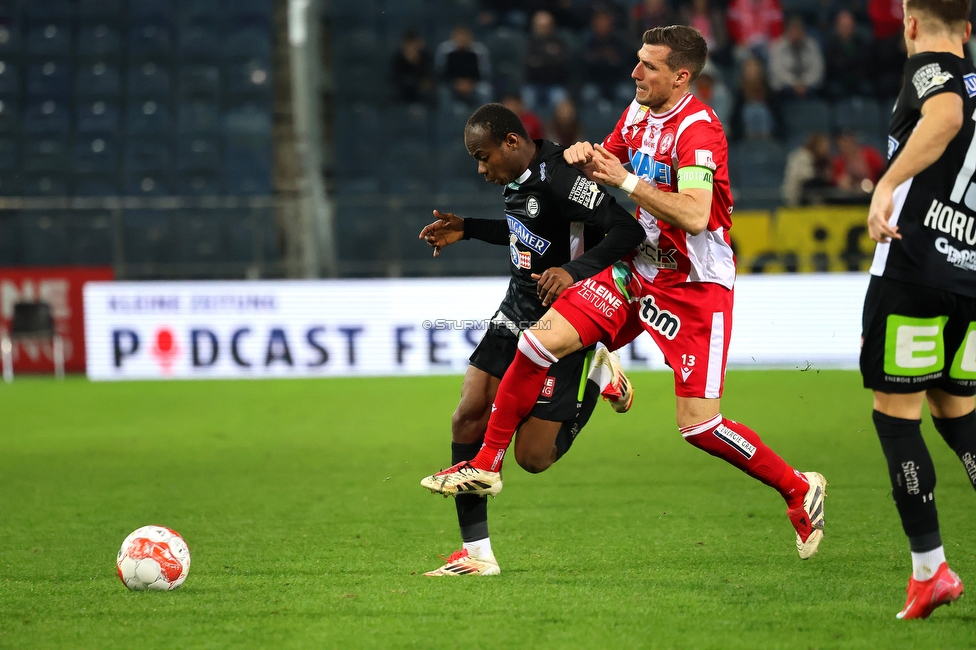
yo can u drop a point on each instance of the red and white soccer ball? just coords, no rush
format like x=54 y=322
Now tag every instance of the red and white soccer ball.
x=153 y=557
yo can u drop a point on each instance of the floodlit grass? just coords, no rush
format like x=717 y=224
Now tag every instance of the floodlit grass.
x=301 y=505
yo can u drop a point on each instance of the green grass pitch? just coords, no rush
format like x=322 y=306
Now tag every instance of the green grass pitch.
x=301 y=505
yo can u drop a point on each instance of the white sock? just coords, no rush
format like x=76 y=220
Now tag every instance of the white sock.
x=480 y=548
x=600 y=375
x=924 y=565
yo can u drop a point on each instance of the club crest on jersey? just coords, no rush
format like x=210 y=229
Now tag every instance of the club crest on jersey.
x=520 y=259
x=526 y=236
x=664 y=145
x=660 y=320
x=928 y=78
x=646 y=167
x=532 y=207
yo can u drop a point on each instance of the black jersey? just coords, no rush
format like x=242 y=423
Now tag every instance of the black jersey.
x=935 y=211
x=546 y=209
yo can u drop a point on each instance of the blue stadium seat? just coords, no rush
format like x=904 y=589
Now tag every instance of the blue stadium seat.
x=9 y=160
x=359 y=45
x=150 y=41
x=145 y=11
x=96 y=185
x=199 y=115
x=95 y=155
x=99 y=10
x=9 y=116
x=449 y=124
x=91 y=239
x=148 y=183
x=199 y=153
x=249 y=10
x=803 y=117
x=10 y=40
x=861 y=114
x=148 y=80
x=200 y=43
x=598 y=119
x=147 y=236
x=410 y=121
x=201 y=11
x=49 y=40
x=47 y=116
x=43 y=239
x=99 y=116
x=45 y=184
x=49 y=78
x=252 y=117
x=148 y=118
x=99 y=41
x=97 y=79
x=358 y=82
x=249 y=43
x=9 y=79
x=247 y=164
x=200 y=237
x=199 y=79
x=756 y=172
x=248 y=79
x=249 y=233
x=46 y=155
x=145 y=155
x=9 y=232
x=42 y=10
x=200 y=183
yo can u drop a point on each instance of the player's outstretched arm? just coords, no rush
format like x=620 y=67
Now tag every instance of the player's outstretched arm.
x=940 y=122
x=448 y=229
x=688 y=209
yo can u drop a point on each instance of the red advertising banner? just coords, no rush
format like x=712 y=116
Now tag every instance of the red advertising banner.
x=61 y=287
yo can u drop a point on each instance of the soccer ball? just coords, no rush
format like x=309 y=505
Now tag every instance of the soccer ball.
x=153 y=557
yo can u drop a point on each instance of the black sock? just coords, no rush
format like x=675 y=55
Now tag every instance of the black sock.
x=472 y=510
x=912 y=479
x=571 y=428
x=960 y=433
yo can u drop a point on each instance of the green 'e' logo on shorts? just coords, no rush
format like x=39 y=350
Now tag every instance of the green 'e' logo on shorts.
x=964 y=363
x=913 y=346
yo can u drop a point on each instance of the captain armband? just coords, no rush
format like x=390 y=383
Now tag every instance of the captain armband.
x=695 y=178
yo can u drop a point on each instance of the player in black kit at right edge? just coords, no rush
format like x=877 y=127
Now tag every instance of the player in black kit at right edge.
x=547 y=204
x=919 y=322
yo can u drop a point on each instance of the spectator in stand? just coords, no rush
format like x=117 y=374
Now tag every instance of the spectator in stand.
x=564 y=128
x=533 y=125
x=412 y=70
x=857 y=167
x=888 y=62
x=848 y=59
x=464 y=66
x=710 y=88
x=809 y=171
x=546 y=65
x=648 y=14
x=710 y=21
x=495 y=13
x=607 y=59
x=753 y=114
x=753 y=25
x=796 y=64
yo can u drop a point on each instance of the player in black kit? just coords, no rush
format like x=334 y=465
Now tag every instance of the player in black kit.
x=547 y=205
x=919 y=323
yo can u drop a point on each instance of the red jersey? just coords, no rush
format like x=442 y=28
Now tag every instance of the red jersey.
x=688 y=141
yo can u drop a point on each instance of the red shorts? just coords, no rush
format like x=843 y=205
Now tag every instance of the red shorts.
x=690 y=322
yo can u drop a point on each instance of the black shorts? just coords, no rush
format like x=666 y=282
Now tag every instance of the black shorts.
x=915 y=338
x=562 y=395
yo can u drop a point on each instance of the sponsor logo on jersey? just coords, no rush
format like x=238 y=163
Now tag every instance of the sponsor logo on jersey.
x=549 y=387
x=600 y=296
x=586 y=193
x=649 y=169
x=892 y=146
x=685 y=373
x=542 y=171
x=703 y=158
x=664 y=146
x=928 y=78
x=526 y=236
x=962 y=259
x=532 y=206
x=656 y=257
x=952 y=222
x=970 y=81
x=660 y=320
x=740 y=444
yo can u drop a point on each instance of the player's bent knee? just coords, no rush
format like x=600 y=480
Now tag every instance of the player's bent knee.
x=533 y=463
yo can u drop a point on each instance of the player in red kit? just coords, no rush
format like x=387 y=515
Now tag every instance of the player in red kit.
x=678 y=285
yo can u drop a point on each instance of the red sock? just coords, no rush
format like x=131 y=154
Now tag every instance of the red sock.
x=740 y=446
x=517 y=394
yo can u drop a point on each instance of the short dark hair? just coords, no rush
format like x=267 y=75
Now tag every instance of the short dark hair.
x=688 y=47
x=950 y=12
x=497 y=121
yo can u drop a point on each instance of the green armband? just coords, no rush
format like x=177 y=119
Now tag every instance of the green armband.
x=695 y=177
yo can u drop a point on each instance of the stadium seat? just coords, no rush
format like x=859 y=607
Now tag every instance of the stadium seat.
x=410 y=121
x=358 y=82
x=41 y=10
x=9 y=40
x=149 y=79
x=153 y=11
x=52 y=79
x=598 y=120
x=99 y=116
x=9 y=233
x=249 y=118
x=96 y=185
x=9 y=160
x=859 y=114
x=247 y=44
x=148 y=184
x=95 y=155
x=46 y=155
x=805 y=117
x=449 y=124
x=145 y=155
x=248 y=79
x=358 y=45
x=249 y=11
x=200 y=237
x=250 y=233
x=247 y=164
x=200 y=43
x=98 y=42
x=9 y=116
x=149 y=41
x=97 y=79
x=200 y=183
x=49 y=40
x=91 y=239
x=148 y=118
x=199 y=79
x=199 y=153
x=45 y=184
x=43 y=239
x=199 y=115
x=147 y=236
x=9 y=79
x=99 y=10
x=210 y=11
x=756 y=173
x=48 y=115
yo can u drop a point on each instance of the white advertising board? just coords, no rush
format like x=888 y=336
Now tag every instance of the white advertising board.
x=189 y=330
